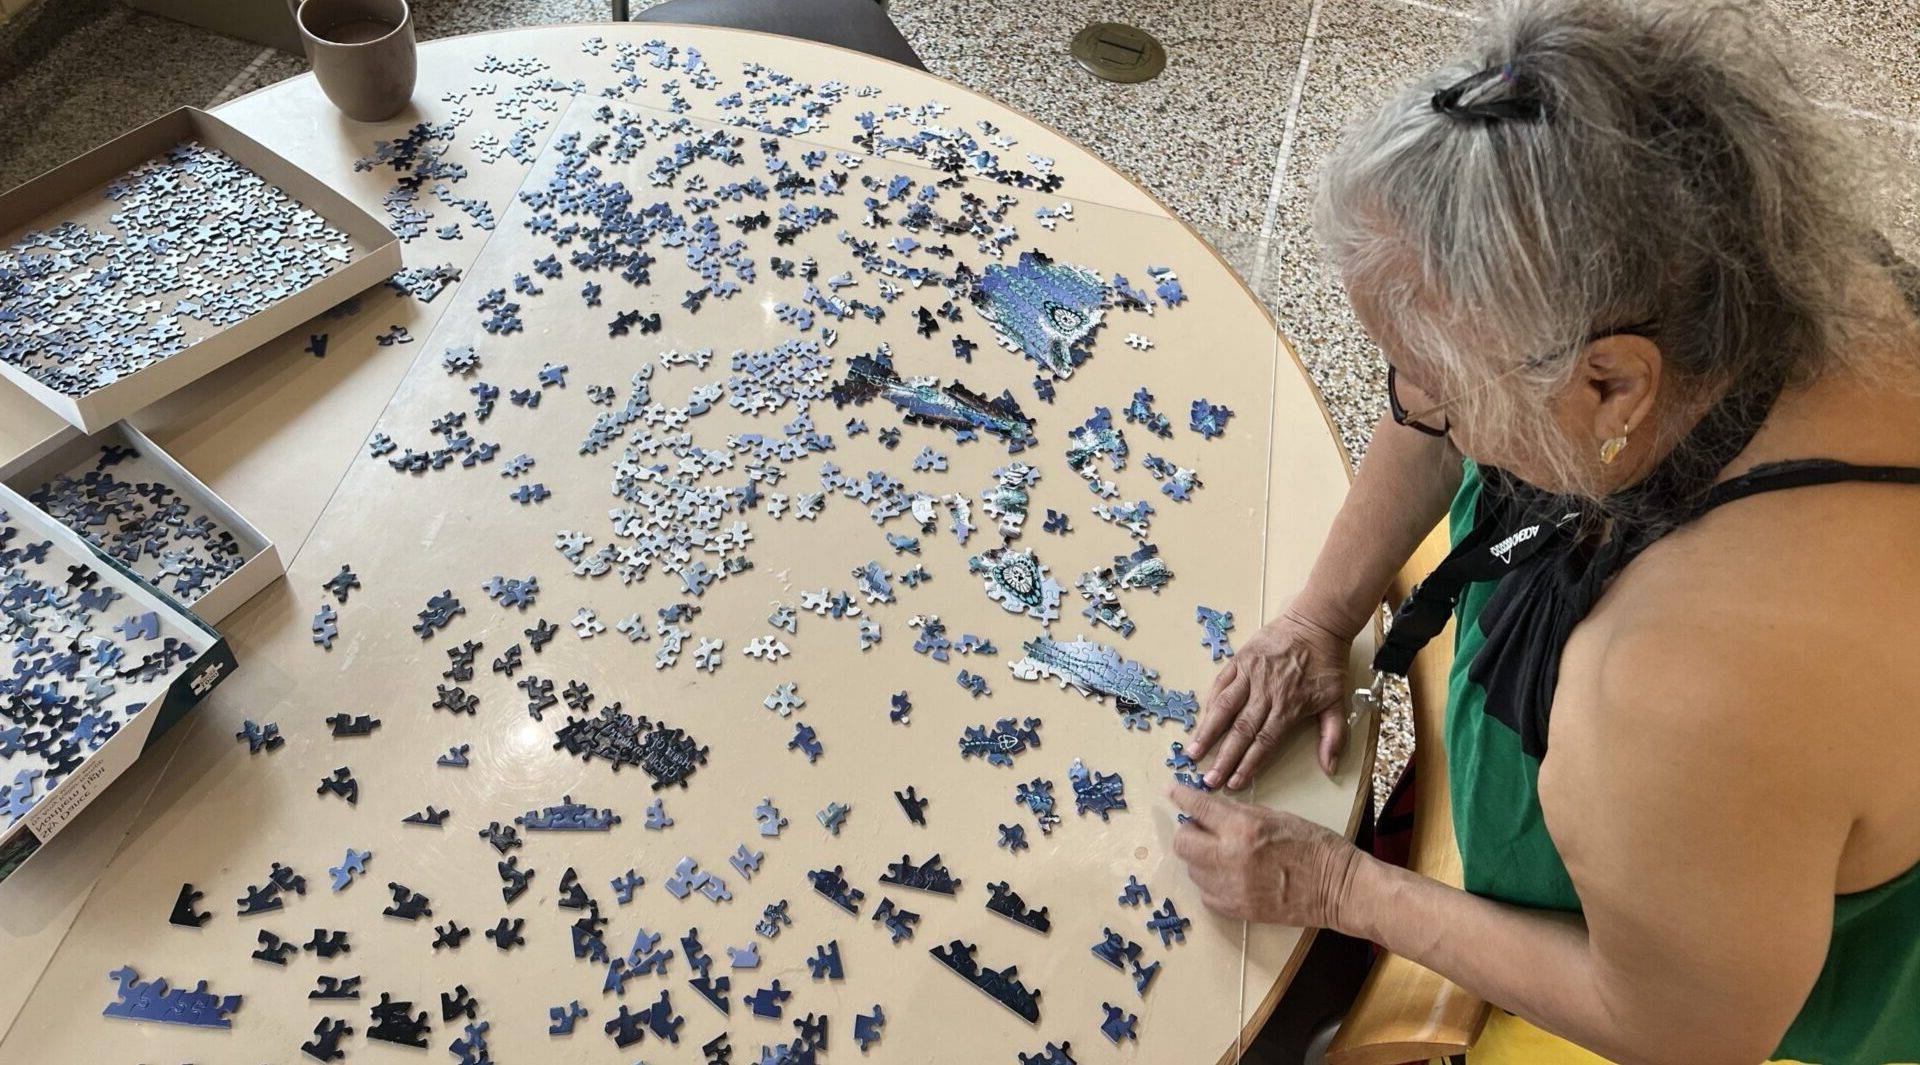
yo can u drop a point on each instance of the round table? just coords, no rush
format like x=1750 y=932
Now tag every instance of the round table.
x=282 y=436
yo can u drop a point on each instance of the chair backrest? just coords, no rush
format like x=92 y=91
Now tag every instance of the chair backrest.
x=1406 y=1012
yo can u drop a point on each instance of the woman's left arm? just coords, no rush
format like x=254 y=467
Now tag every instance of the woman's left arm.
x=1702 y=846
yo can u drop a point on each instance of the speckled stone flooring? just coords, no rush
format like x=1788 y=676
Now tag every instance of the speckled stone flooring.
x=1230 y=136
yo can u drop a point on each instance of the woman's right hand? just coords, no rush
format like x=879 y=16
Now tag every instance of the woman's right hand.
x=1293 y=668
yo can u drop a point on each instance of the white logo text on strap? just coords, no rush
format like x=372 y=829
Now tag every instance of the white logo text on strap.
x=1504 y=549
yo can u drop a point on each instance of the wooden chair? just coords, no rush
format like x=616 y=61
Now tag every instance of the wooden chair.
x=1405 y=1012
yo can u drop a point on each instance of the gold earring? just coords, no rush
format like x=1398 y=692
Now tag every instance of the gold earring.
x=1611 y=447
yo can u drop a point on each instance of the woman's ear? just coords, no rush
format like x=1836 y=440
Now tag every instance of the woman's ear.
x=1620 y=377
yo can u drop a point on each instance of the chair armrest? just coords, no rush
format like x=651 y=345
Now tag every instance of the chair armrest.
x=1406 y=1012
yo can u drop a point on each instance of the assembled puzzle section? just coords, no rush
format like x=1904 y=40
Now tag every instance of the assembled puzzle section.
x=190 y=245
x=134 y=502
x=98 y=665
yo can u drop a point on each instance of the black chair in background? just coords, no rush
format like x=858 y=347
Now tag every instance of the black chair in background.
x=861 y=25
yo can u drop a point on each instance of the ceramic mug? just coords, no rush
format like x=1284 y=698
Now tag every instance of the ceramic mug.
x=362 y=53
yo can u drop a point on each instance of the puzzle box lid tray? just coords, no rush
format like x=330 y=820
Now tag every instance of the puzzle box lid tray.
x=51 y=198
x=170 y=699
x=67 y=449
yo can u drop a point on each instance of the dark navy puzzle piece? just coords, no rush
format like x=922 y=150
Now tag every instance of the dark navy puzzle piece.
x=260 y=899
x=336 y=987
x=899 y=923
x=562 y=1018
x=506 y=935
x=273 y=949
x=931 y=876
x=458 y=1003
x=768 y=1001
x=325 y=1044
x=825 y=963
x=912 y=805
x=395 y=1022
x=867 y=1027
x=1001 y=985
x=1007 y=903
x=341 y=783
x=328 y=943
x=408 y=905
x=431 y=817
x=184 y=912
x=831 y=884
x=1051 y=1054
x=450 y=935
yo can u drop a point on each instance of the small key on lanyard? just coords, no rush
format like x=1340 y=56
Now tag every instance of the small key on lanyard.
x=1366 y=700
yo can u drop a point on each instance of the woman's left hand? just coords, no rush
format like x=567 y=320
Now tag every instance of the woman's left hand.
x=1263 y=865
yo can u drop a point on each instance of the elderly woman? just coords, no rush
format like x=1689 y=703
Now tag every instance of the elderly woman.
x=1618 y=264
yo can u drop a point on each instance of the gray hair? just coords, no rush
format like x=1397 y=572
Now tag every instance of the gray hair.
x=1673 y=175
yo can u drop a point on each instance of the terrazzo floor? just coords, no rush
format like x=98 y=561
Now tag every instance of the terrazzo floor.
x=1230 y=136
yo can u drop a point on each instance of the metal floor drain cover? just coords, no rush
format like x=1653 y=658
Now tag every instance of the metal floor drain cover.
x=1119 y=52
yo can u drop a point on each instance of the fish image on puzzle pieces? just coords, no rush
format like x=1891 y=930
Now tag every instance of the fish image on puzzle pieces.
x=1043 y=310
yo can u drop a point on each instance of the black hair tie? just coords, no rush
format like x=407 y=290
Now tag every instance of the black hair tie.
x=1521 y=104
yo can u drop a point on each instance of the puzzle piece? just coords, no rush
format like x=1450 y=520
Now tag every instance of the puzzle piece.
x=912 y=805
x=769 y=817
x=562 y=1018
x=999 y=747
x=867 y=1027
x=657 y=819
x=768 y=1001
x=1013 y=838
x=899 y=922
x=825 y=963
x=805 y=741
x=1214 y=626
x=625 y=885
x=505 y=935
x=1168 y=922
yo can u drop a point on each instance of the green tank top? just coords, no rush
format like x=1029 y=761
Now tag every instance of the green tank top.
x=1865 y=1007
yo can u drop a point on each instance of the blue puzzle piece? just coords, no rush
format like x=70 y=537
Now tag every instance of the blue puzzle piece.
x=768 y=1001
x=825 y=963
x=625 y=885
x=805 y=741
x=562 y=1017
x=153 y=1000
x=1096 y=792
x=1168 y=922
x=867 y=1026
x=1214 y=626
x=354 y=863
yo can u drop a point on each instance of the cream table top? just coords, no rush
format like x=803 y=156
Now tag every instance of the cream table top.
x=280 y=435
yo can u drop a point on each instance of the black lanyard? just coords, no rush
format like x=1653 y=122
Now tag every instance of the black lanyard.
x=1502 y=539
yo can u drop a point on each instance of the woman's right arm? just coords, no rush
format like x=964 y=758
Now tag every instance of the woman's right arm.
x=1296 y=666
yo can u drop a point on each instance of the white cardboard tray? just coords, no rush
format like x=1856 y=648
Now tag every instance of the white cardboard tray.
x=66 y=450
x=168 y=701
x=52 y=198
